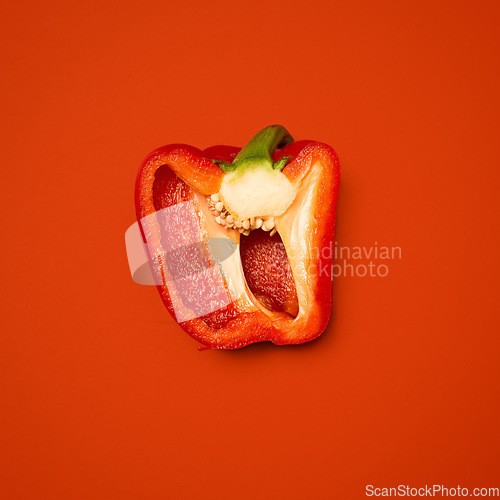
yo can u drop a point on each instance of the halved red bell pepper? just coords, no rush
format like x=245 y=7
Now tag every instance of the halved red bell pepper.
x=275 y=201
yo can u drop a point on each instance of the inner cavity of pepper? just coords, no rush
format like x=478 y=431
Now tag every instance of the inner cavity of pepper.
x=268 y=272
x=263 y=255
x=264 y=259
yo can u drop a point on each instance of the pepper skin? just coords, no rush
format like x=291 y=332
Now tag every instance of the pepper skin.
x=274 y=287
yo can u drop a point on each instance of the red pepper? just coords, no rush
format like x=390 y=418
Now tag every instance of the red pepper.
x=240 y=241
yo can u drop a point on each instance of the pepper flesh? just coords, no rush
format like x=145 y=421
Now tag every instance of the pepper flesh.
x=288 y=304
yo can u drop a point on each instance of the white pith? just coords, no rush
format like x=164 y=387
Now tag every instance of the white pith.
x=300 y=219
x=230 y=267
x=252 y=199
x=256 y=192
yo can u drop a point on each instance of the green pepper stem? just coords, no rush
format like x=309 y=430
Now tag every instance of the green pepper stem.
x=260 y=148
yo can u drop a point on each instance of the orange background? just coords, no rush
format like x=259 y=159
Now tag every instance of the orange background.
x=103 y=396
